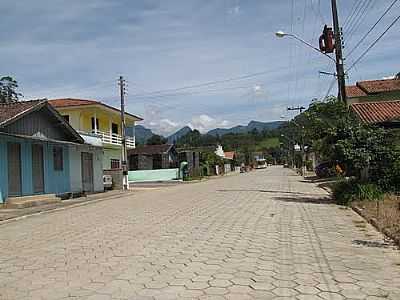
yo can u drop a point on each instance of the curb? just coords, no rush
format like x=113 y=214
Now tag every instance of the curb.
x=375 y=224
x=83 y=203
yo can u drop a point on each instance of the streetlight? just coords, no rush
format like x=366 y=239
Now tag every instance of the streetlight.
x=282 y=34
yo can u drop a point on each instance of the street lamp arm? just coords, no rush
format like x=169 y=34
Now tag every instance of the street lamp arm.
x=309 y=45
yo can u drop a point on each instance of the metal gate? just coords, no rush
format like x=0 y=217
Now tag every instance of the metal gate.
x=14 y=169
x=87 y=171
x=37 y=169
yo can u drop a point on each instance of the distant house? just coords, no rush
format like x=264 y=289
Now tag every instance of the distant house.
x=382 y=113
x=40 y=153
x=92 y=118
x=229 y=161
x=153 y=157
x=373 y=91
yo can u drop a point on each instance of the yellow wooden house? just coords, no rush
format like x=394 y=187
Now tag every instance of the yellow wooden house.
x=95 y=120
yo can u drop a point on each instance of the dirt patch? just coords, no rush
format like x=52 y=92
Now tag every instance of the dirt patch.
x=384 y=215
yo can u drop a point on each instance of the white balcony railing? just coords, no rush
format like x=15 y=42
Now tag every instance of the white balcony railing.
x=113 y=139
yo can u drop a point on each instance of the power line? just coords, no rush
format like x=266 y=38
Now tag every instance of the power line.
x=210 y=83
x=191 y=92
x=372 y=28
x=351 y=12
x=350 y=18
x=373 y=44
x=360 y=20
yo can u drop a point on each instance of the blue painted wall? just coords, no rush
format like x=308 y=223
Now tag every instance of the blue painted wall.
x=3 y=170
x=55 y=182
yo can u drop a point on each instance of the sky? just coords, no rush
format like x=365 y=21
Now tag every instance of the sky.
x=225 y=48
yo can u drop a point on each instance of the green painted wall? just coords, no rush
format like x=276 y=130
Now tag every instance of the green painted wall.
x=153 y=175
x=109 y=154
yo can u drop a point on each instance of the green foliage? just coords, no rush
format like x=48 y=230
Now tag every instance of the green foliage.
x=156 y=140
x=333 y=132
x=244 y=144
x=347 y=191
x=8 y=90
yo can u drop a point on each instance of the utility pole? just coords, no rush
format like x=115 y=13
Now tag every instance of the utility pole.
x=124 y=152
x=339 y=54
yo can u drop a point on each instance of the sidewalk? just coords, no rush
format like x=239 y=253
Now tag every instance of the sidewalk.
x=9 y=214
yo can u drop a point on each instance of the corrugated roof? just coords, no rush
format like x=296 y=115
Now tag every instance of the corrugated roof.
x=72 y=102
x=13 y=110
x=377 y=112
x=150 y=149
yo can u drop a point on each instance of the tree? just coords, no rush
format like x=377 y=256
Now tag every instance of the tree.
x=156 y=140
x=8 y=87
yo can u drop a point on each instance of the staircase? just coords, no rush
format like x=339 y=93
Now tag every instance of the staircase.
x=31 y=201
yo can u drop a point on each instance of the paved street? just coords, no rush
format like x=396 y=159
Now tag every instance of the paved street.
x=262 y=235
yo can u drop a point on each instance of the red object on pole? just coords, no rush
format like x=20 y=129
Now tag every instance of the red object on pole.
x=326 y=40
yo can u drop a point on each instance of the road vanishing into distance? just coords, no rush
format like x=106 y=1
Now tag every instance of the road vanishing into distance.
x=266 y=234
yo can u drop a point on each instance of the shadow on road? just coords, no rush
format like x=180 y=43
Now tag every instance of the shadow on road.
x=266 y=191
x=305 y=198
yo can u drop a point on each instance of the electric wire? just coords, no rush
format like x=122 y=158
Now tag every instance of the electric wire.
x=372 y=28
x=373 y=44
x=368 y=7
x=210 y=83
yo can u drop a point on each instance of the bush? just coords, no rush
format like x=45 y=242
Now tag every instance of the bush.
x=347 y=191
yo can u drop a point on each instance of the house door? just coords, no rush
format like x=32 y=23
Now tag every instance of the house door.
x=87 y=171
x=37 y=169
x=14 y=169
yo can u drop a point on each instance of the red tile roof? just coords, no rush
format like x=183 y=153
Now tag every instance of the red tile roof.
x=368 y=87
x=354 y=91
x=378 y=86
x=71 y=102
x=12 y=110
x=229 y=154
x=377 y=112
x=68 y=102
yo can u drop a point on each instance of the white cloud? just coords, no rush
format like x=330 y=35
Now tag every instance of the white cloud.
x=204 y=123
x=164 y=127
x=234 y=10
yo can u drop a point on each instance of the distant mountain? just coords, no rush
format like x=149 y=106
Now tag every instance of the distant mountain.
x=142 y=134
x=177 y=135
x=260 y=126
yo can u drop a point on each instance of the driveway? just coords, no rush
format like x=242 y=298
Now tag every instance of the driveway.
x=260 y=235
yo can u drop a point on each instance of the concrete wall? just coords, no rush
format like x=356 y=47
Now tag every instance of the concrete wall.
x=76 y=167
x=153 y=175
x=55 y=182
x=116 y=177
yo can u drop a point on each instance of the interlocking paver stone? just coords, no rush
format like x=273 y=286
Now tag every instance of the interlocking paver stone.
x=257 y=235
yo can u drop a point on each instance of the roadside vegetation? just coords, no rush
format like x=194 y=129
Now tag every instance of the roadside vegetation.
x=365 y=159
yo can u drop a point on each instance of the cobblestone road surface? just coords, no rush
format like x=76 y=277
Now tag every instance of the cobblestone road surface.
x=261 y=235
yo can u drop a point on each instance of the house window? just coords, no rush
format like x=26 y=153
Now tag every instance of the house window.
x=66 y=118
x=58 y=159
x=114 y=128
x=115 y=164
x=97 y=124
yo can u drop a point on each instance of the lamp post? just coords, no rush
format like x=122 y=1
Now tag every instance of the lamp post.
x=339 y=59
x=281 y=34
